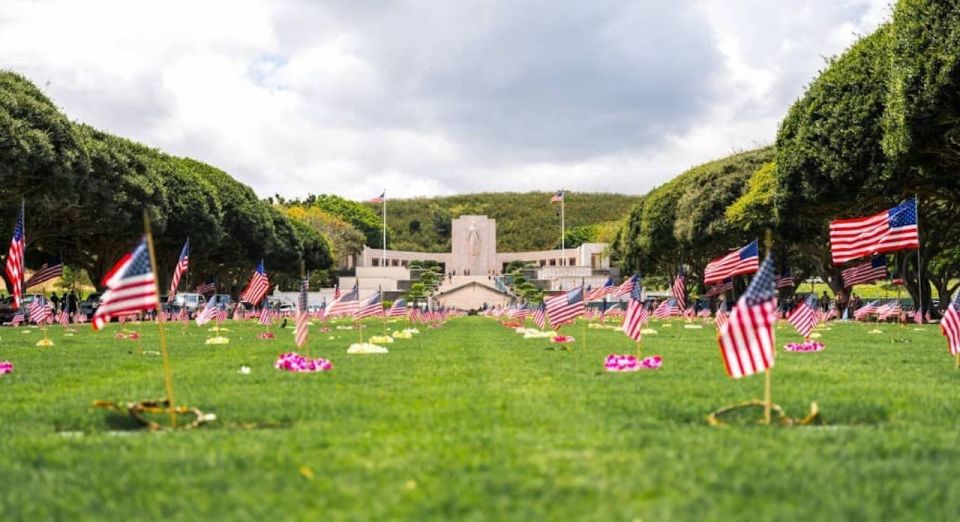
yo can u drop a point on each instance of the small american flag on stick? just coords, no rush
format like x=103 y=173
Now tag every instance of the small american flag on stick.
x=131 y=287
x=747 y=339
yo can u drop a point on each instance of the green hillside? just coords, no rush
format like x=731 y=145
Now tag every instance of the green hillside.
x=525 y=221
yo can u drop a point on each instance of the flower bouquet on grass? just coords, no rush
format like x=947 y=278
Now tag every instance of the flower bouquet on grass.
x=630 y=363
x=365 y=348
x=45 y=342
x=562 y=339
x=512 y=324
x=804 y=347
x=381 y=339
x=265 y=335
x=218 y=340
x=6 y=367
x=402 y=335
x=125 y=334
x=294 y=362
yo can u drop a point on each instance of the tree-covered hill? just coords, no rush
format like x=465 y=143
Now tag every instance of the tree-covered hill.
x=525 y=221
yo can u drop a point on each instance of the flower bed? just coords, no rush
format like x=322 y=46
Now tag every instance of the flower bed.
x=630 y=363
x=294 y=362
x=804 y=347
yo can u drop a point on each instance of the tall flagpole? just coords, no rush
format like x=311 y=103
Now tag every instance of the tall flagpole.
x=563 y=229
x=383 y=251
x=916 y=201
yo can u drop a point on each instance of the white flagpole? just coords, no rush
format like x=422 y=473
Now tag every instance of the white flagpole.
x=916 y=202
x=563 y=246
x=383 y=252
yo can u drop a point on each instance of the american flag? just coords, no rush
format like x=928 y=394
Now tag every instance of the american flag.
x=63 y=318
x=238 y=314
x=540 y=316
x=370 y=306
x=208 y=314
x=207 y=287
x=398 y=308
x=722 y=288
x=566 y=307
x=346 y=304
x=889 y=310
x=183 y=315
x=887 y=231
x=602 y=291
x=257 y=287
x=627 y=286
x=182 y=263
x=678 y=290
x=785 y=280
x=742 y=261
x=221 y=315
x=303 y=315
x=39 y=312
x=637 y=315
x=667 y=308
x=523 y=311
x=50 y=270
x=867 y=272
x=804 y=317
x=865 y=310
x=704 y=314
x=416 y=315
x=746 y=340
x=557 y=197
x=131 y=287
x=17 y=318
x=266 y=317
x=79 y=318
x=950 y=325
x=721 y=316
x=14 y=266
x=379 y=199
x=918 y=316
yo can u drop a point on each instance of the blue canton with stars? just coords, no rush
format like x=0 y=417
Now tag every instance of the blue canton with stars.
x=762 y=288
x=751 y=250
x=139 y=261
x=904 y=214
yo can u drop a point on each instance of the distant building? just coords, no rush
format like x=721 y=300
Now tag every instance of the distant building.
x=473 y=269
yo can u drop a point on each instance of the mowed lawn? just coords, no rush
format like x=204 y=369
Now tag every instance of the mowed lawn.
x=472 y=422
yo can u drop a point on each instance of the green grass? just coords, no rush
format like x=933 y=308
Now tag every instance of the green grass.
x=471 y=422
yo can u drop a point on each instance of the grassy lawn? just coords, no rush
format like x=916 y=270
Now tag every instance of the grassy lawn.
x=472 y=422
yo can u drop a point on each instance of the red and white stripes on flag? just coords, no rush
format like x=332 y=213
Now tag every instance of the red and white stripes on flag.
x=739 y=262
x=667 y=308
x=887 y=231
x=747 y=339
x=345 y=304
x=566 y=307
x=266 y=316
x=721 y=317
x=303 y=315
x=805 y=316
x=398 y=308
x=950 y=325
x=864 y=273
x=131 y=287
x=679 y=290
x=540 y=316
x=257 y=287
x=47 y=272
x=370 y=307
x=606 y=289
x=182 y=264
x=627 y=285
x=39 y=312
x=14 y=264
x=637 y=315
x=63 y=318
x=208 y=314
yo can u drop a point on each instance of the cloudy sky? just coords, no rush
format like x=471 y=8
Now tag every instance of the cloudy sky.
x=427 y=98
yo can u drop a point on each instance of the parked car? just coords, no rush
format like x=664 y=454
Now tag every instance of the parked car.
x=89 y=305
x=6 y=309
x=222 y=301
x=190 y=302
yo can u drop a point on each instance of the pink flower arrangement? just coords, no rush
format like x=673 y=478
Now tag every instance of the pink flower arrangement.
x=806 y=346
x=265 y=335
x=6 y=367
x=562 y=339
x=324 y=330
x=133 y=336
x=629 y=363
x=294 y=362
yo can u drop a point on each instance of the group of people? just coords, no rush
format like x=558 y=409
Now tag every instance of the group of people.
x=68 y=302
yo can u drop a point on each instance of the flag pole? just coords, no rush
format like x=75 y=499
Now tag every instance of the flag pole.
x=563 y=229
x=916 y=201
x=583 y=296
x=767 y=401
x=167 y=373
x=383 y=250
x=383 y=312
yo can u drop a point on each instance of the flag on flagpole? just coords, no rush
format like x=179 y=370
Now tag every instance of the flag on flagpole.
x=14 y=265
x=636 y=316
x=540 y=316
x=565 y=307
x=182 y=264
x=747 y=339
x=17 y=318
x=398 y=309
x=371 y=306
x=266 y=317
x=667 y=308
x=742 y=261
x=131 y=287
x=804 y=317
x=208 y=314
x=207 y=287
x=887 y=231
x=950 y=325
x=557 y=197
x=346 y=304
x=785 y=280
x=38 y=311
x=303 y=315
x=257 y=287
x=721 y=316
x=678 y=290
x=379 y=199
x=722 y=288
x=602 y=291
x=50 y=270
x=627 y=286
x=866 y=272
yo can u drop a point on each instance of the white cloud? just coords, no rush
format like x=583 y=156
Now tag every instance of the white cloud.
x=295 y=97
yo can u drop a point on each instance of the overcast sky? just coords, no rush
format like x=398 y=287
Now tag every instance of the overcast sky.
x=428 y=98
